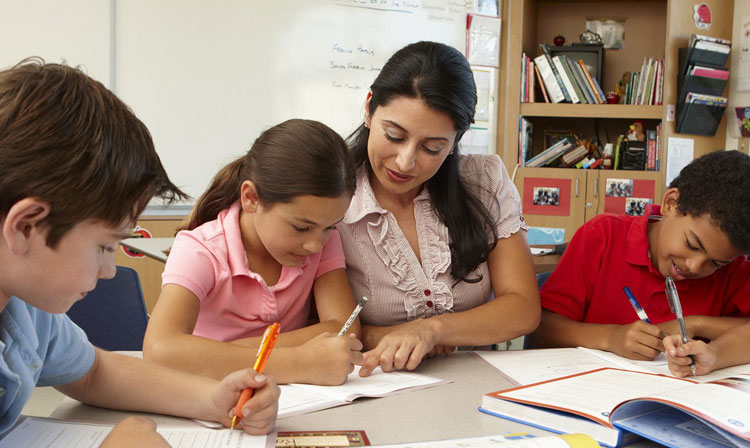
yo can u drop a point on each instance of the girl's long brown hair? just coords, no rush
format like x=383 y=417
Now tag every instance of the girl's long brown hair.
x=294 y=158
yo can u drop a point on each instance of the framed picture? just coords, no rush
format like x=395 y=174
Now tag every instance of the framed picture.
x=612 y=32
x=636 y=206
x=619 y=188
x=546 y=196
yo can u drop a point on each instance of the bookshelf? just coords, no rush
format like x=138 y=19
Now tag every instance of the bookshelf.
x=653 y=28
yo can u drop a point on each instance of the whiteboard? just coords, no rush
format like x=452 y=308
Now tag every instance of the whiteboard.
x=76 y=31
x=208 y=77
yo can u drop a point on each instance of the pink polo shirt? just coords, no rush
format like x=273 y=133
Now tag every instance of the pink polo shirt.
x=235 y=302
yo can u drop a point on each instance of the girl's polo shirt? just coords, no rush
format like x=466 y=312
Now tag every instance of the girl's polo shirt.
x=235 y=302
x=611 y=252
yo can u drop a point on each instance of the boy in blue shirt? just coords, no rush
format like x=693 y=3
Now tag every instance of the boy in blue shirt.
x=76 y=169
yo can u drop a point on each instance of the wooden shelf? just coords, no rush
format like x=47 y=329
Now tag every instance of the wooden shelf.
x=591 y=110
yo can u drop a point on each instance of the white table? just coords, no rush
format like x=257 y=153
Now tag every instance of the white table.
x=441 y=412
x=156 y=248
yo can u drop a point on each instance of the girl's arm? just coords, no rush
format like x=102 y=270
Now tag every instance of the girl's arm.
x=325 y=359
x=514 y=312
x=126 y=383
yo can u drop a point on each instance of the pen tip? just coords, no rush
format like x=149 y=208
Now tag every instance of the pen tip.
x=234 y=419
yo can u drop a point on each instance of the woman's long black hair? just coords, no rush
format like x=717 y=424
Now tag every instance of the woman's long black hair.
x=440 y=76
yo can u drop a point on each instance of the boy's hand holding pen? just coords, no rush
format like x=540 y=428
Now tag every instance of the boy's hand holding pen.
x=264 y=351
x=676 y=307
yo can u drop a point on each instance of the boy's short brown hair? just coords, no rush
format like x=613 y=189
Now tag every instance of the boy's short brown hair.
x=69 y=141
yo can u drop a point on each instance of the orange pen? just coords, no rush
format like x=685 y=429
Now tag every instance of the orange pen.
x=264 y=351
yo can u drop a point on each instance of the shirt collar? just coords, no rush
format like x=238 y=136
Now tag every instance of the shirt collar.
x=637 y=238
x=364 y=201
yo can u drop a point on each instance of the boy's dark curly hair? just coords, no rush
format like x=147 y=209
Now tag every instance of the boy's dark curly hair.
x=718 y=184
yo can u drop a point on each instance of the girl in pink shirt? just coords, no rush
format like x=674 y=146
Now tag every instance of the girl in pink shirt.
x=258 y=245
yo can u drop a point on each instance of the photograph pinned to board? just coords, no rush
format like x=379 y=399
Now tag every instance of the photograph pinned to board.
x=612 y=31
x=532 y=185
x=483 y=40
x=546 y=196
x=487 y=7
x=619 y=188
x=636 y=206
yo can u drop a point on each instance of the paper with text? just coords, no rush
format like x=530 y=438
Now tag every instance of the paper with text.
x=44 y=433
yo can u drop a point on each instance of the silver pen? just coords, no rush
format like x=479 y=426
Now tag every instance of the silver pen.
x=674 y=304
x=354 y=315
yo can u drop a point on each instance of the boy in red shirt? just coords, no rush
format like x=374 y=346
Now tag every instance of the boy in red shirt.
x=699 y=236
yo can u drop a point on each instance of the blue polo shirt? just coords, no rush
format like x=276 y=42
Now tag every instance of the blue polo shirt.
x=38 y=349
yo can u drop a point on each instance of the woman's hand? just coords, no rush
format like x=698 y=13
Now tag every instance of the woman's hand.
x=403 y=348
x=259 y=413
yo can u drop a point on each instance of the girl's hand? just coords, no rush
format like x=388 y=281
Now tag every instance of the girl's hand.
x=403 y=348
x=134 y=431
x=638 y=340
x=329 y=359
x=679 y=362
x=259 y=413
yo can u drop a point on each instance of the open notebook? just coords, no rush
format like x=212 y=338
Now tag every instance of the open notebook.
x=303 y=398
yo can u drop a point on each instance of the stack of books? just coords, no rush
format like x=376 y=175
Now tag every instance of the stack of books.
x=701 y=83
x=527 y=79
x=647 y=86
x=525 y=131
x=565 y=80
x=550 y=154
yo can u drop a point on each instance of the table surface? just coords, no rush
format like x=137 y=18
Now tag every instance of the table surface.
x=443 y=412
x=156 y=248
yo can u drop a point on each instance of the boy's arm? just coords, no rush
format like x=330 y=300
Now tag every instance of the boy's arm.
x=637 y=340
x=131 y=384
x=324 y=359
x=705 y=327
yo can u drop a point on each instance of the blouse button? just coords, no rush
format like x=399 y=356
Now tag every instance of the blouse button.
x=427 y=292
x=429 y=303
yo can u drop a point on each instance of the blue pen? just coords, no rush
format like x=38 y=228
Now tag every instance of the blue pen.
x=636 y=306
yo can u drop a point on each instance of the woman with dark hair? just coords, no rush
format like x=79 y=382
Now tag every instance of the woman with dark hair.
x=431 y=236
x=259 y=244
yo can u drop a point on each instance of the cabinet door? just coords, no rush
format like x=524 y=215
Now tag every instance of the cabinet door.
x=621 y=191
x=553 y=201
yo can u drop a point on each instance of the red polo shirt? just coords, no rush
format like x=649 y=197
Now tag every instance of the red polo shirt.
x=611 y=252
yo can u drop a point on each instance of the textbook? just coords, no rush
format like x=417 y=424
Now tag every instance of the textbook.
x=516 y=440
x=616 y=406
x=298 y=399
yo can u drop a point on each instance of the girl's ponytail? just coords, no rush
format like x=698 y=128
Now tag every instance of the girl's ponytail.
x=223 y=192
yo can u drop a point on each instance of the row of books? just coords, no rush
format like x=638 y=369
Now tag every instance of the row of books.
x=701 y=82
x=563 y=80
x=528 y=79
x=647 y=86
x=569 y=153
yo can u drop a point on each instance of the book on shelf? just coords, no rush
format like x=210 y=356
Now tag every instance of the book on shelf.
x=567 y=80
x=525 y=132
x=573 y=156
x=550 y=154
x=618 y=147
x=616 y=406
x=651 y=149
x=580 y=79
x=545 y=52
x=540 y=83
x=550 y=82
x=593 y=83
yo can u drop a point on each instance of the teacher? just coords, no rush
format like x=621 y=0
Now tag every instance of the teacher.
x=431 y=236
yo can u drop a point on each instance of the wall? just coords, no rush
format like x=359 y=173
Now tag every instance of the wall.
x=737 y=99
